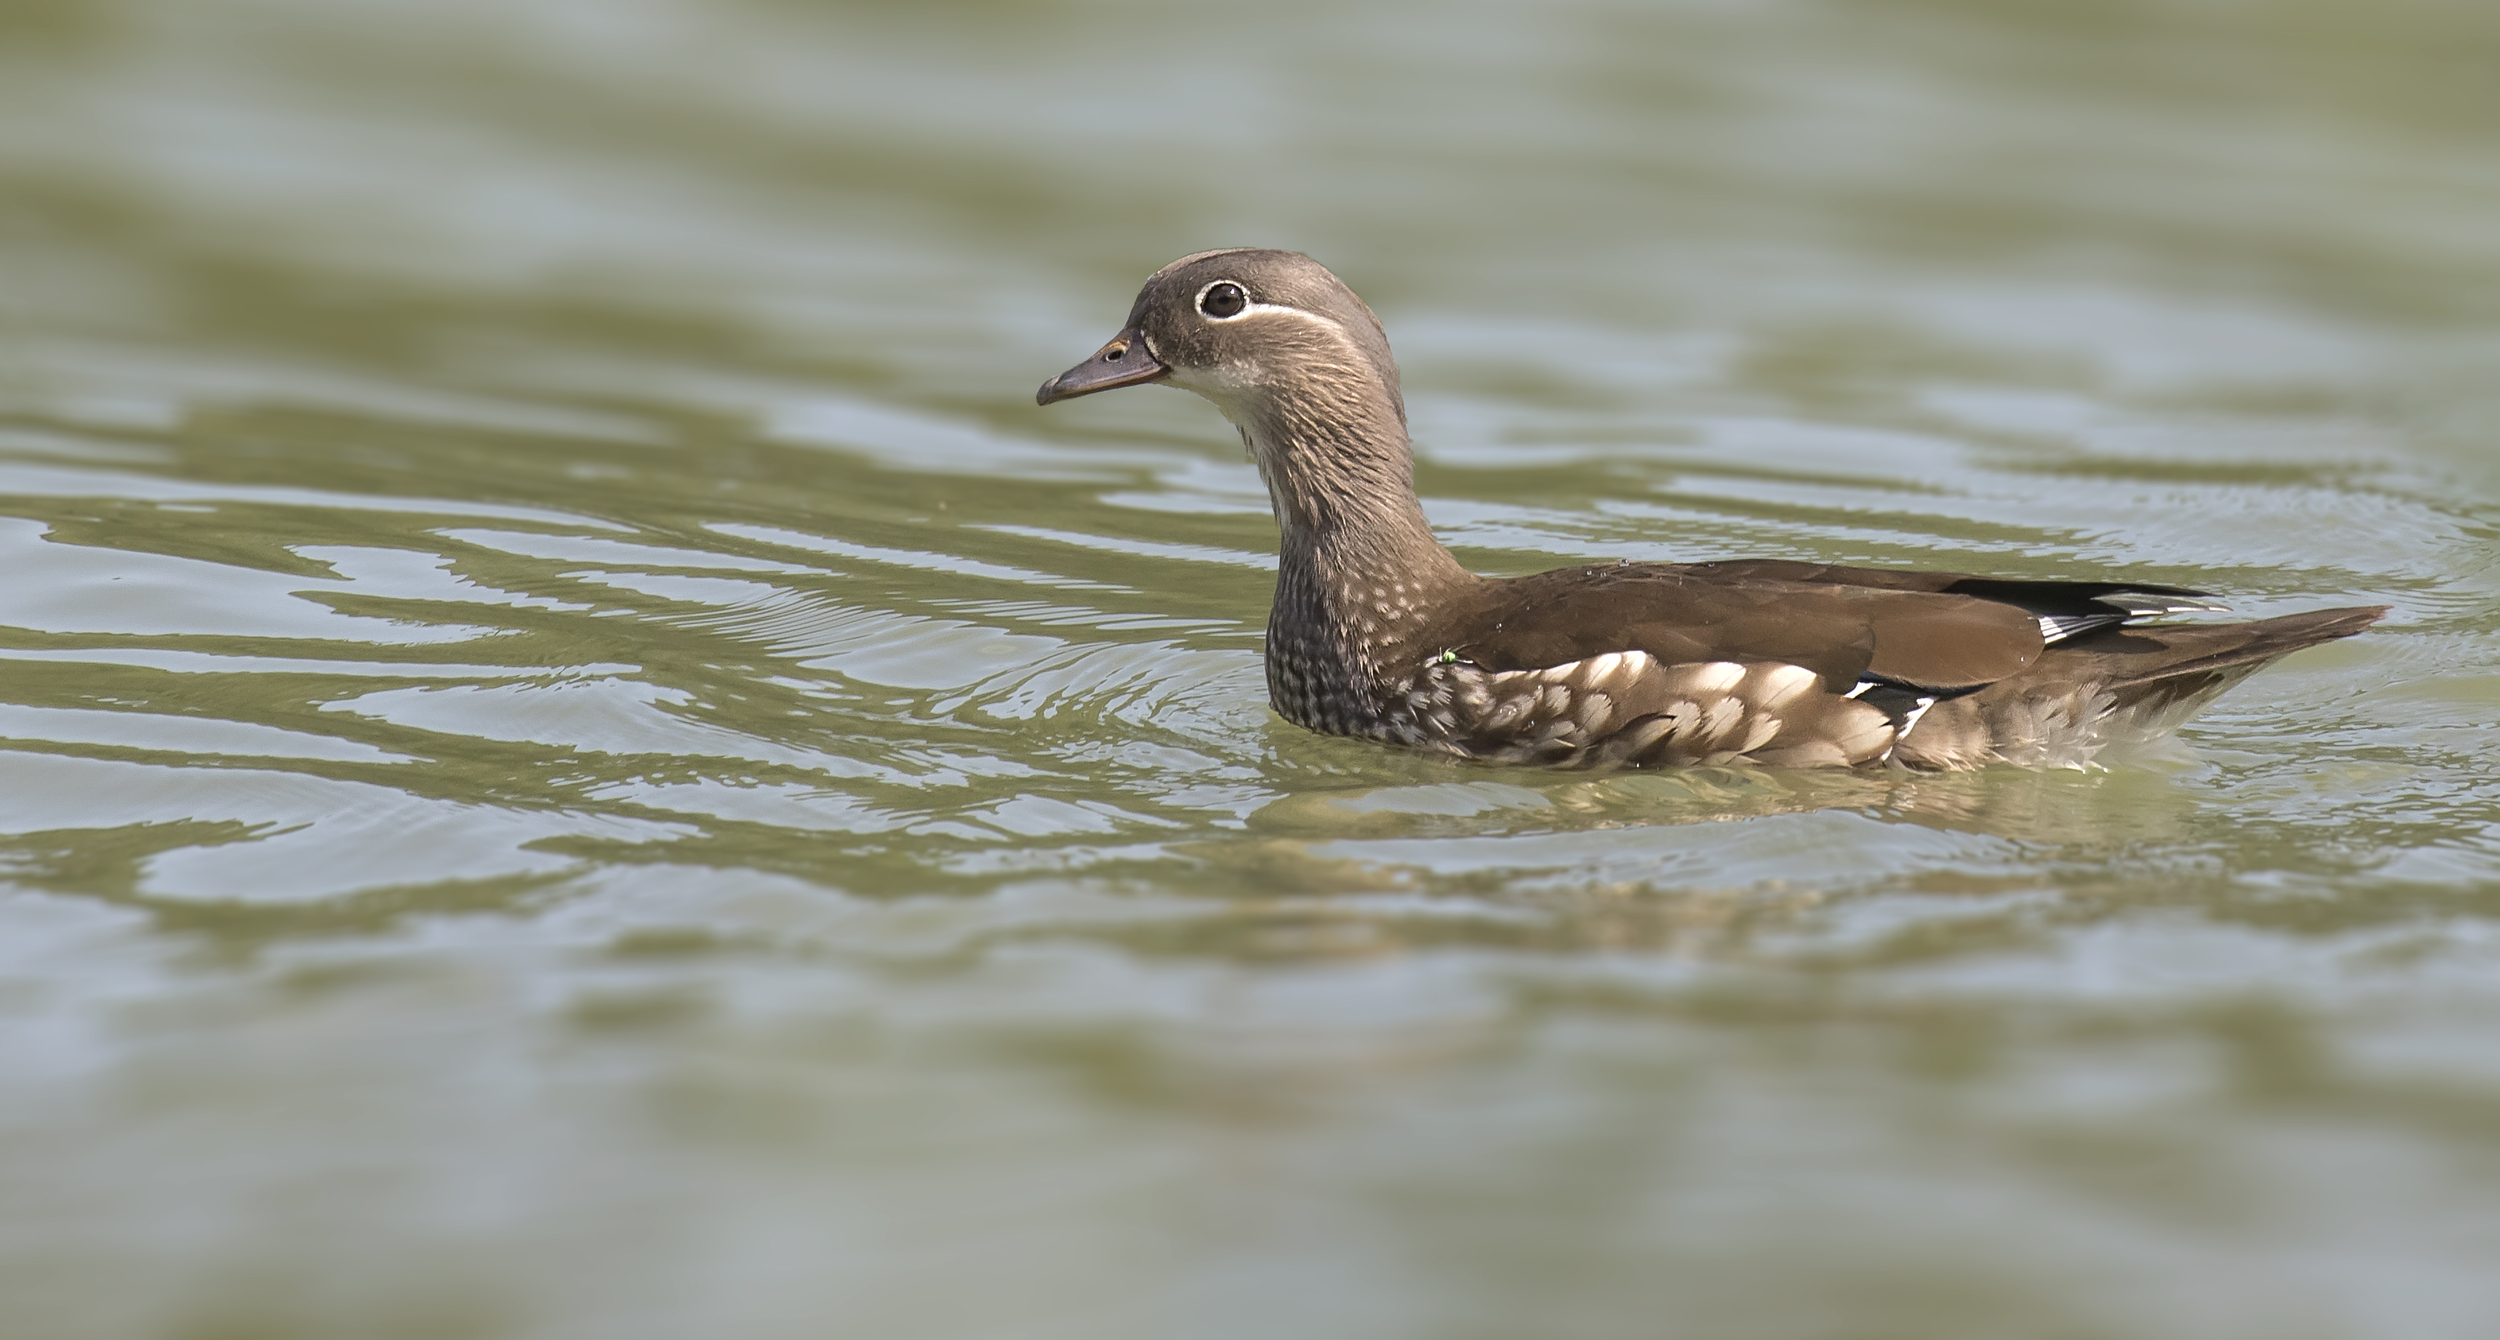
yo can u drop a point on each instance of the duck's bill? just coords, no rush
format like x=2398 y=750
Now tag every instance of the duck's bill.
x=1123 y=362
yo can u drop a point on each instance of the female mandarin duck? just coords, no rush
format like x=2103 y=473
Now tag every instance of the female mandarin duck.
x=1378 y=632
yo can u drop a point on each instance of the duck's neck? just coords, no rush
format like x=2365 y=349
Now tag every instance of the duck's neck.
x=1359 y=571
x=1343 y=488
x=1355 y=562
x=1341 y=475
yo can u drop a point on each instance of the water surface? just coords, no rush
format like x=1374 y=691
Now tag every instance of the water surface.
x=577 y=759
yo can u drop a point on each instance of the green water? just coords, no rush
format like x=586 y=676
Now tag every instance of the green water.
x=578 y=760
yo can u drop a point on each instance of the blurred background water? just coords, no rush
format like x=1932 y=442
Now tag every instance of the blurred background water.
x=578 y=760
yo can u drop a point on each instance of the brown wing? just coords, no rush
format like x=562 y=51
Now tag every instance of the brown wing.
x=2084 y=600
x=1927 y=638
x=1818 y=574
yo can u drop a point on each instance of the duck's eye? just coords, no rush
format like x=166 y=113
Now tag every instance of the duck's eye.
x=1223 y=300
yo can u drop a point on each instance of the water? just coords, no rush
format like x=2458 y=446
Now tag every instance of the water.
x=577 y=759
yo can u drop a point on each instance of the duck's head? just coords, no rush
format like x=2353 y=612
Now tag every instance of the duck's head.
x=1270 y=336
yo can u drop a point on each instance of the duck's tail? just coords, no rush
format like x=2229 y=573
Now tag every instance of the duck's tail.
x=2126 y=684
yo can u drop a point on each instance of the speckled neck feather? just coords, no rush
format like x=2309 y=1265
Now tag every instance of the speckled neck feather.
x=1358 y=567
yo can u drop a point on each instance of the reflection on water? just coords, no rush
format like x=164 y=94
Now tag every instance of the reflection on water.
x=575 y=759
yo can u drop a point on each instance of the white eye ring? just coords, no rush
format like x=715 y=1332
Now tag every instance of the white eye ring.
x=1238 y=291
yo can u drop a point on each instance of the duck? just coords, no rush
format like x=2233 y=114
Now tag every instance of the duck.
x=1378 y=632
